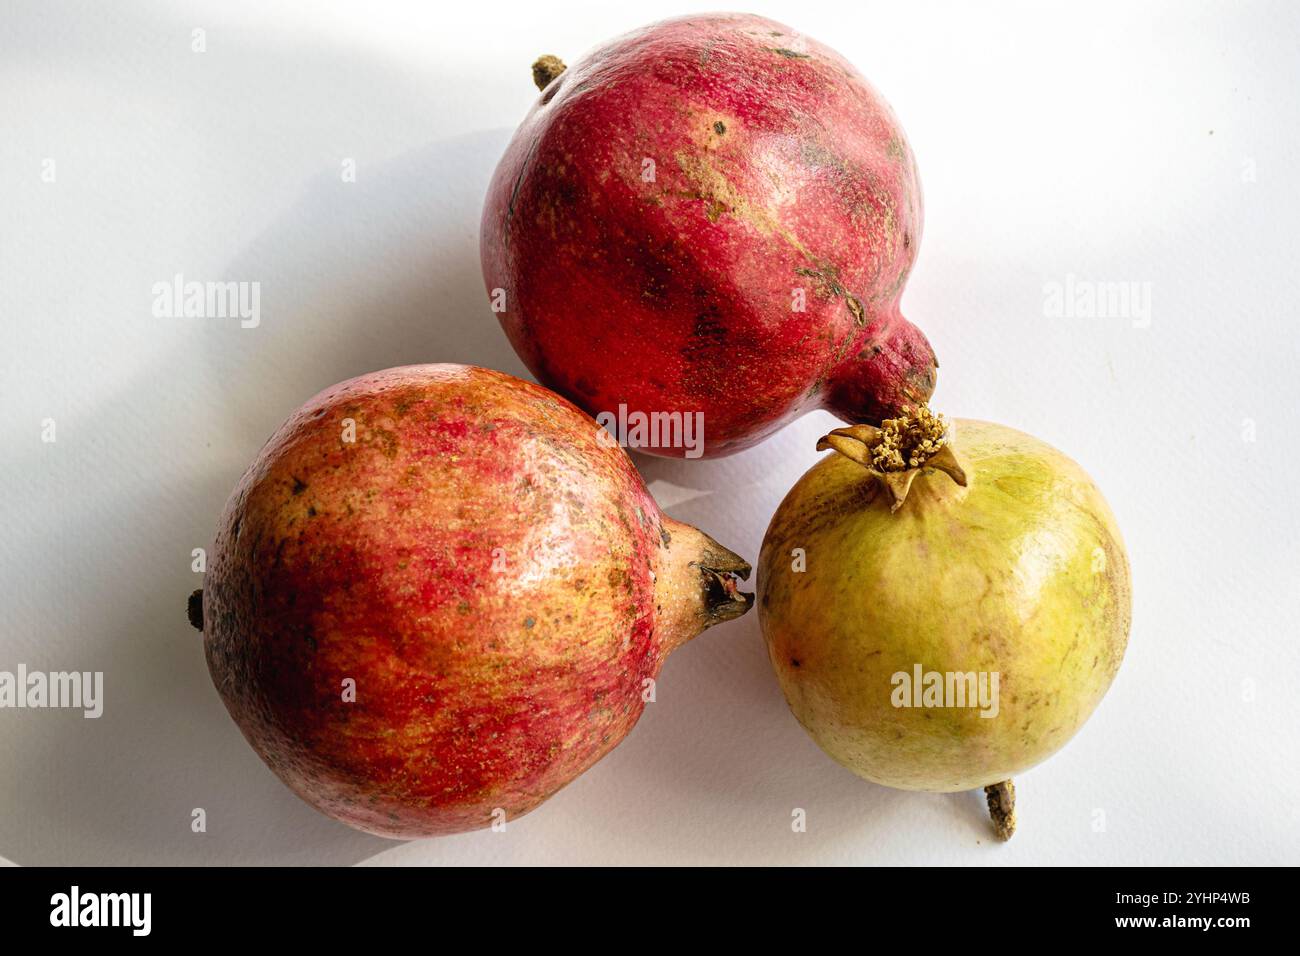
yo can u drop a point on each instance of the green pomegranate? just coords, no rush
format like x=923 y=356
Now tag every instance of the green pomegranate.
x=944 y=606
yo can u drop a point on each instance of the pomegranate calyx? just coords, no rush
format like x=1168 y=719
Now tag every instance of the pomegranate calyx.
x=547 y=68
x=698 y=584
x=723 y=600
x=896 y=452
x=721 y=571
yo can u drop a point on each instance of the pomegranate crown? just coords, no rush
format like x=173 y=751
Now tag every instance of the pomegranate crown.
x=896 y=451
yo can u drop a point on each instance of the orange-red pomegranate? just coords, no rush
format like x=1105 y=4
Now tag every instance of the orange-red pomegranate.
x=710 y=215
x=437 y=596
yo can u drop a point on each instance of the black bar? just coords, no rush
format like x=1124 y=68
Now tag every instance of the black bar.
x=219 y=905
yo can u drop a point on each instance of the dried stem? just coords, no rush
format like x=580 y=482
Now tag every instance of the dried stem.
x=1002 y=808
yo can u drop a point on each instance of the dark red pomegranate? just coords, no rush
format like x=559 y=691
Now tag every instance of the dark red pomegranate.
x=713 y=214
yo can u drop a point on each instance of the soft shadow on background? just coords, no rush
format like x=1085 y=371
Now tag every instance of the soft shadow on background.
x=363 y=276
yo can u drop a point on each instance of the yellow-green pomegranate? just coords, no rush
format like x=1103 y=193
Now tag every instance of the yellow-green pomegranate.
x=944 y=606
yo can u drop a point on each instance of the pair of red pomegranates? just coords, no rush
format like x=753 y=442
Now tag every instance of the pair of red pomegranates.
x=440 y=593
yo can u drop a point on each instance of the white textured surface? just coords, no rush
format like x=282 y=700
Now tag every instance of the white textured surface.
x=1106 y=142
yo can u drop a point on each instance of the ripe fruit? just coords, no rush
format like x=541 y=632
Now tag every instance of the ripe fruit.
x=440 y=592
x=982 y=552
x=712 y=214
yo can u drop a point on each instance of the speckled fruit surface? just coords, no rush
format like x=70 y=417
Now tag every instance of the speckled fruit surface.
x=491 y=579
x=1020 y=573
x=711 y=214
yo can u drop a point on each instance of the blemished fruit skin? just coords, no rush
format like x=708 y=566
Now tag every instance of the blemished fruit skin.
x=492 y=580
x=711 y=214
x=1022 y=572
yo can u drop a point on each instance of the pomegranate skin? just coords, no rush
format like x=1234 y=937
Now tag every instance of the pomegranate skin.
x=670 y=203
x=494 y=580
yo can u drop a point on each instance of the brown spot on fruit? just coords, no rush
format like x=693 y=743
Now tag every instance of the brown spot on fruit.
x=855 y=307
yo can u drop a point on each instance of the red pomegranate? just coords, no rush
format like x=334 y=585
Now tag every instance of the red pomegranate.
x=440 y=593
x=710 y=215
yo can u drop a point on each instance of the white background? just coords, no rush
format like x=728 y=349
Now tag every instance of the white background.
x=1117 y=142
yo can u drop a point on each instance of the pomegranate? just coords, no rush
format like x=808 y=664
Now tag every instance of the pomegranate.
x=440 y=593
x=710 y=215
x=944 y=609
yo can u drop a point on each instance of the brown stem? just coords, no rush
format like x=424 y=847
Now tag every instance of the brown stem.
x=194 y=609
x=1002 y=808
x=546 y=69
